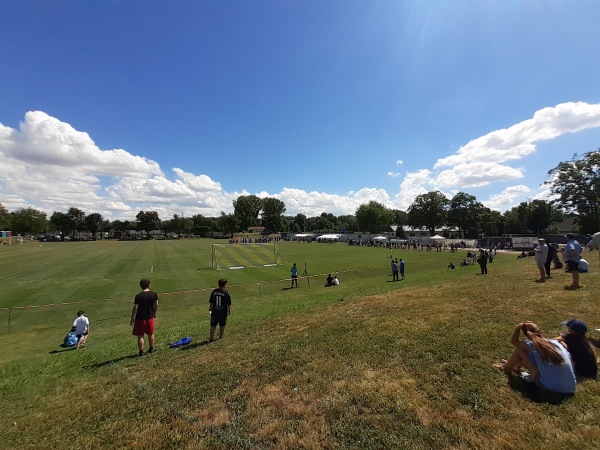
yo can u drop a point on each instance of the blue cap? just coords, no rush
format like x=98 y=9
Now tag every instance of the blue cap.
x=576 y=325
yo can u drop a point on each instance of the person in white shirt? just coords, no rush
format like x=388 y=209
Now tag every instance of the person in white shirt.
x=541 y=254
x=336 y=282
x=81 y=327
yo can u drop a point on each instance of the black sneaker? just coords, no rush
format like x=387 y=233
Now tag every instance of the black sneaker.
x=141 y=353
x=151 y=350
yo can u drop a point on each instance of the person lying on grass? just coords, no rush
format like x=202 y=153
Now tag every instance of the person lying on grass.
x=547 y=361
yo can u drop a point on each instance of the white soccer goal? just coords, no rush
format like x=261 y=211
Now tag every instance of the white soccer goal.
x=238 y=256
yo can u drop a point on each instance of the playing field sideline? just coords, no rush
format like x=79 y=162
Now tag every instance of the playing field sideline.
x=368 y=364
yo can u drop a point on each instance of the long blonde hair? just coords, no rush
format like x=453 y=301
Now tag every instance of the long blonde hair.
x=543 y=346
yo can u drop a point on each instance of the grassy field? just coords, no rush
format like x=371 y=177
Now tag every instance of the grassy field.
x=368 y=364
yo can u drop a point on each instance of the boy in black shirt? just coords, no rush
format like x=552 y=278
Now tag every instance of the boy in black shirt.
x=219 y=308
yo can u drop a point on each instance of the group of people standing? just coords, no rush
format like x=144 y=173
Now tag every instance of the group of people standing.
x=145 y=307
x=397 y=269
x=545 y=254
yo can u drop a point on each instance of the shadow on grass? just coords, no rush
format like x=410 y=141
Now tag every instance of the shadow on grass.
x=64 y=349
x=533 y=392
x=109 y=362
x=194 y=345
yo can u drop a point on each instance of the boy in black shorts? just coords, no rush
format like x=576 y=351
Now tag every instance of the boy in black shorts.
x=219 y=308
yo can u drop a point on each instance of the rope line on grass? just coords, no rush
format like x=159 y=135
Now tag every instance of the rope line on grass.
x=186 y=291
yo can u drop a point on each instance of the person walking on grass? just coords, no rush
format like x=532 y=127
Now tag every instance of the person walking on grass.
x=572 y=256
x=541 y=255
x=219 y=308
x=401 y=269
x=81 y=328
x=143 y=314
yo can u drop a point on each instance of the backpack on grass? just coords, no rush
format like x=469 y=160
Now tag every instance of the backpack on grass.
x=70 y=339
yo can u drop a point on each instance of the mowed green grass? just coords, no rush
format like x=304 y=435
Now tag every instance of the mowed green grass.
x=368 y=364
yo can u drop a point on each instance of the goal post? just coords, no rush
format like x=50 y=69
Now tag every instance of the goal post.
x=238 y=256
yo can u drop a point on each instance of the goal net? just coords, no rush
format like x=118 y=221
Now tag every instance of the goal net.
x=238 y=256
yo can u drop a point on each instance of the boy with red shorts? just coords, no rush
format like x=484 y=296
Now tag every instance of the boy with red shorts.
x=143 y=313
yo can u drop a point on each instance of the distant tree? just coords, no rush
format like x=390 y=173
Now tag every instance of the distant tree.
x=148 y=221
x=289 y=224
x=229 y=223
x=76 y=220
x=246 y=209
x=203 y=226
x=94 y=223
x=28 y=220
x=321 y=223
x=374 y=217
x=178 y=224
x=300 y=220
x=491 y=223
x=272 y=212
x=400 y=219
x=576 y=184
x=5 y=218
x=464 y=212
x=60 y=222
x=347 y=223
x=429 y=210
x=541 y=214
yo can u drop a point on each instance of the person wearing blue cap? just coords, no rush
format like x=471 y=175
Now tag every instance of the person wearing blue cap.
x=547 y=361
x=582 y=353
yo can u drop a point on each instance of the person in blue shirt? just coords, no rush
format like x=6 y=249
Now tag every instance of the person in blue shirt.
x=546 y=361
x=294 y=275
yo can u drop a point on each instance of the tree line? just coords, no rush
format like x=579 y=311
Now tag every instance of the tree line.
x=574 y=184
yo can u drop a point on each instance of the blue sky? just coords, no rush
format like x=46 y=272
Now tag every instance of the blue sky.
x=181 y=106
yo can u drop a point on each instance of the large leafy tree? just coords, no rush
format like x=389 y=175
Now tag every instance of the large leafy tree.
x=374 y=217
x=76 y=220
x=347 y=223
x=147 y=221
x=94 y=223
x=5 y=218
x=60 y=222
x=464 y=212
x=429 y=210
x=491 y=223
x=28 y=220
x=325 y=222
x=576 y=184
x=301 y=220
x=246 y=209
x=272 y=212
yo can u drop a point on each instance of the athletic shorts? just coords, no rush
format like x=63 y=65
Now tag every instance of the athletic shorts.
x=572 y=265
x=79 y=336
x=141 y=327
x=218 y=319
x=540 y=264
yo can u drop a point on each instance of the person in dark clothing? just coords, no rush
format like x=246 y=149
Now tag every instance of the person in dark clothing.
x=483 y=260
x=143 y=314
x=582 y=353
x=219 y=308
x=551 y=255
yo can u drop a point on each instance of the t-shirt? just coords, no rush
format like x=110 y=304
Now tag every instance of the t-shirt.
x=220 y=300
x=145 y=301
x=294 y=271
x=554 y=377
x=572 y=250
x=541 y=253
x=336 y=282
x=81 y=325
x=401 y=266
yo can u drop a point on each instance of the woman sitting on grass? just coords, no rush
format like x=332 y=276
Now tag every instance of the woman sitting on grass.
x=547 y=361
x=582 y=353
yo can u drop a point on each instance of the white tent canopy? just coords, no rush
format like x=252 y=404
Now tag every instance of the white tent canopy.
x=437 y=237
x=380 y=238
x=328 y=237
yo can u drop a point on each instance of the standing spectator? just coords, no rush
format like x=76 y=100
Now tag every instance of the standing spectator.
x=541 y=255
x=81 y=328
x=143 y=314
x=395 y=270
x=572 y=255
x=549 y=259
x=219 y=308
x=401 y=269
x=482 y=260
x=294 y=275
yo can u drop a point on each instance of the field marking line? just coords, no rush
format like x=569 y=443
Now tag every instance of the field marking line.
x=24 y=270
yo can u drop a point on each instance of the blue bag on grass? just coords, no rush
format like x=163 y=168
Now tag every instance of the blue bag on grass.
x=181 y=342
x=70 y=339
